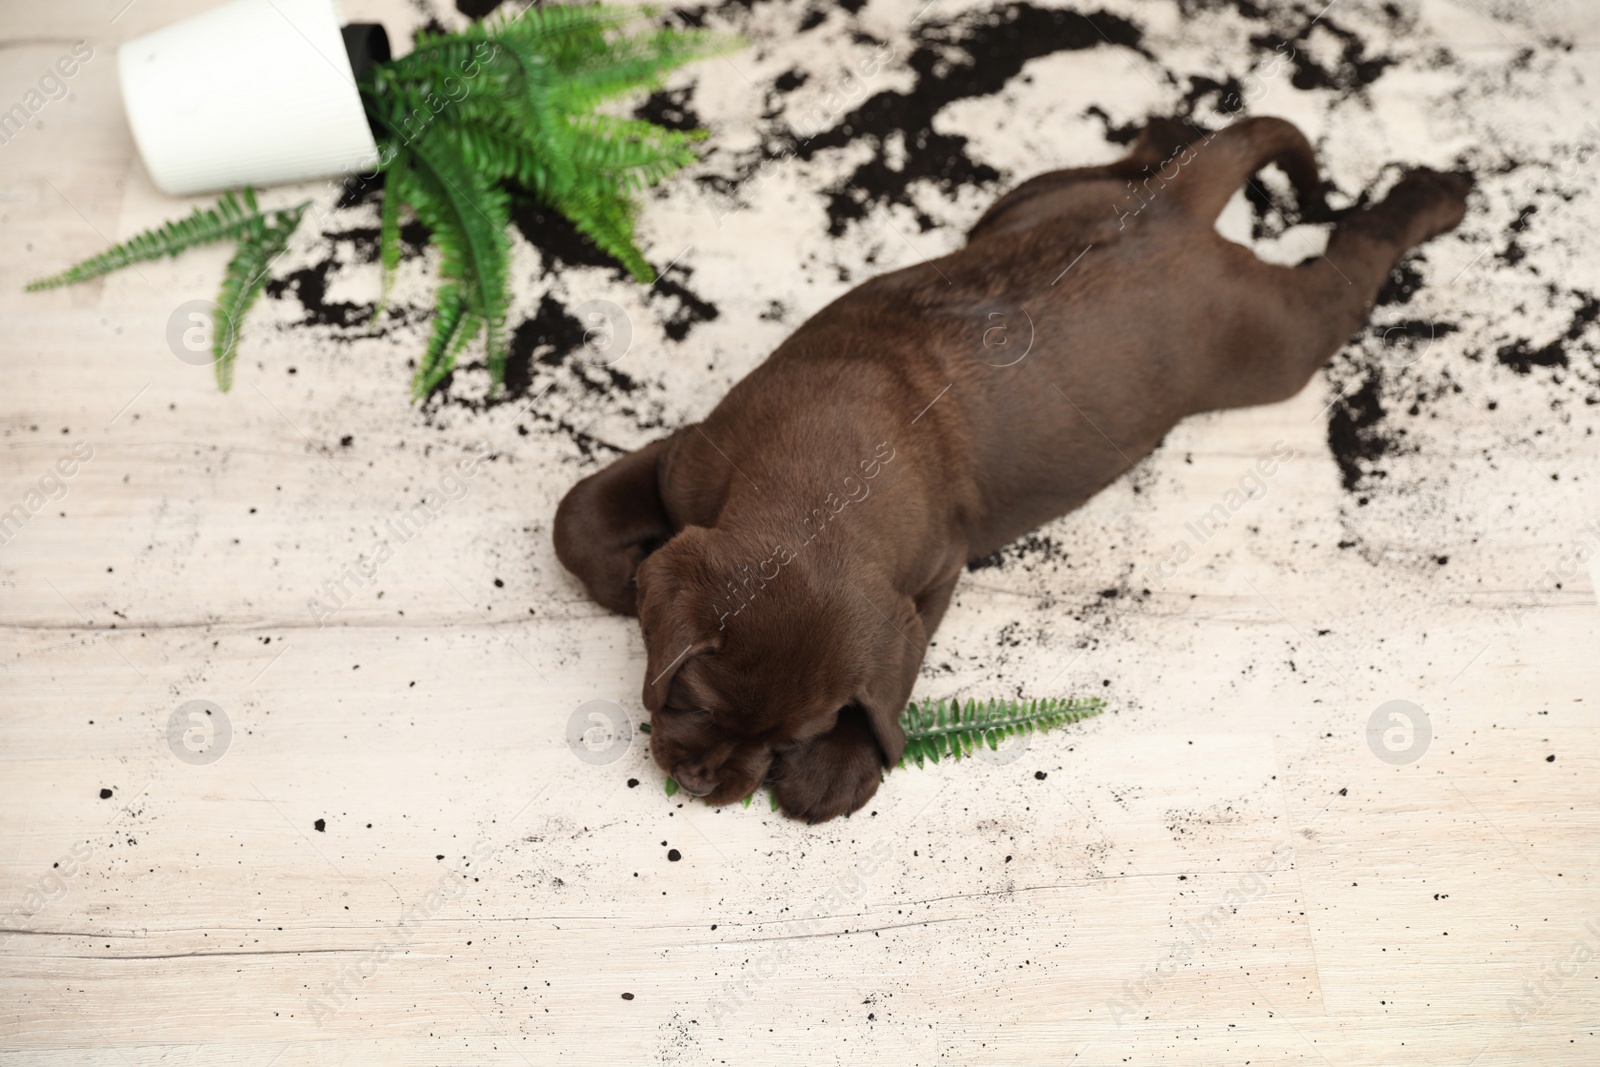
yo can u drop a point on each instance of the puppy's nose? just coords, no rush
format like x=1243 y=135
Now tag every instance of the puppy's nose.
x=693 y=780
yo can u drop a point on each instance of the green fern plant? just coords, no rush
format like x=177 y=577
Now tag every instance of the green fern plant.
x=227 y=221
x=464 y=122
x=935 y=730
x=942 y=729
x=260 y=238
x=260 y=244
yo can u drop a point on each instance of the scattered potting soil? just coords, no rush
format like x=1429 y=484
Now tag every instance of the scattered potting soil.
x=971 y=56
x=1485 y=360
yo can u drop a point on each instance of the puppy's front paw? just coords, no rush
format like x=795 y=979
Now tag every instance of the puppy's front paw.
x=831 y=776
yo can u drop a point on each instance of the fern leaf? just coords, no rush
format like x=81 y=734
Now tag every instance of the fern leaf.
x=260 y=245
x=598 y=205
x=449 y=307
x=503 y=154
x=389 y=231
x=631 y=152
x=606 y=218
x=533 y=105
x=631 y=63
x=467 y=216
x=564 y=34
x=231 y=216
x=934 y=731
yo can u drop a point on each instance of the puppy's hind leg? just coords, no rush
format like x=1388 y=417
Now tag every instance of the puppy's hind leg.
x=609 y=522
x=1293 y=319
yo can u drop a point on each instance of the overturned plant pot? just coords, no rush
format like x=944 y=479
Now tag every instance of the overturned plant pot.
x=265 y=91
x=252 y=93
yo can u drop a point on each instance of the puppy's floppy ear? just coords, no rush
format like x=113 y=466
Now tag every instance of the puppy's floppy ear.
x=675 y=624
x=890 y=677
x=609 y=522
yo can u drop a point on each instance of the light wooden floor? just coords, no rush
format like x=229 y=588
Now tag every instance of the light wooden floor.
x=399 y=859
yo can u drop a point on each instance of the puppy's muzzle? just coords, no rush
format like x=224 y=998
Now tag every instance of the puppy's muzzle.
x=693 y=780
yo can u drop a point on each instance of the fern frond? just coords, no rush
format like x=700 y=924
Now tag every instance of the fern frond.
x=631 y=63
x=630 y=152
x=504 y=153
x=260 y=244
x=231 y=216
x=606 y=218
x=934 y=731
x=467 y=216
x=389 y=231
x=562 y=34
x=448 y=310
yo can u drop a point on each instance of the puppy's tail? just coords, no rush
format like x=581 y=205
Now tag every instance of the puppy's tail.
x=1209 y=167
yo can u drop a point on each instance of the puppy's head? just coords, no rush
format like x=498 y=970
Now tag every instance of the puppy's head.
x=735 y=678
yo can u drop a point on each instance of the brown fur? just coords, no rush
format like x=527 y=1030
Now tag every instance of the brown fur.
x=790 y=556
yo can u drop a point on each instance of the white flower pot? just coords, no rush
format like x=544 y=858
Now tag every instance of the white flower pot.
x=251 y=93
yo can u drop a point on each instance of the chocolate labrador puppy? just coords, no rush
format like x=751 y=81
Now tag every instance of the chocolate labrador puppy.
x=790 y=556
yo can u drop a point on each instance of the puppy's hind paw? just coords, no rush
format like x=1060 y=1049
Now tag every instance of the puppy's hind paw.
x=1431 y=201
